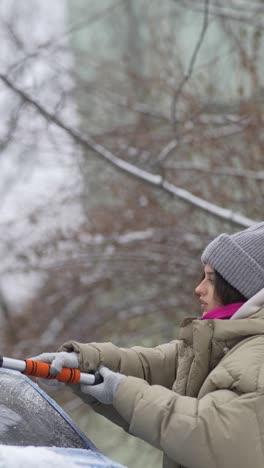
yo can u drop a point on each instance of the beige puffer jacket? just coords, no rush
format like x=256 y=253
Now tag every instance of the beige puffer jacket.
x=199 y=399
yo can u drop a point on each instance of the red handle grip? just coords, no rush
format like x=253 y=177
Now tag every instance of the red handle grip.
x=42 y=369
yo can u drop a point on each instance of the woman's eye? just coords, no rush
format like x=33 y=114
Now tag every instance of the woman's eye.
x=210 y=279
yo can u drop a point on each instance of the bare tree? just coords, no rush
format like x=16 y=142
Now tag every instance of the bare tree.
x=152 y=141
x=143 y=122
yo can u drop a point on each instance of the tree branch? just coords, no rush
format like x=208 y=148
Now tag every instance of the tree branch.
x=192 y=62
x=153 y=179
x=221 y=12
x=224 y=171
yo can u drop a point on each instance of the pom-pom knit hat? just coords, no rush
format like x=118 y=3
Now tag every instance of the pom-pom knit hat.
x=239 y=258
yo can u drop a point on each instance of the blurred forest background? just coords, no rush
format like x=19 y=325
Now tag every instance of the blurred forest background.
x=131 y=134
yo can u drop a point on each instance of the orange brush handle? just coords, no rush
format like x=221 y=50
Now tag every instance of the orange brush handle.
x=42 y=369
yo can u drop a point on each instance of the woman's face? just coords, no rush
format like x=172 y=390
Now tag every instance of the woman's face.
x=206 y=290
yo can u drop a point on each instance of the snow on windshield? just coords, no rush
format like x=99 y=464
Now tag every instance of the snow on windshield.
x=26 y=418
x=41 y=457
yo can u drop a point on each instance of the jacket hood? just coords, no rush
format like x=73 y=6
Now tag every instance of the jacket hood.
x=251 y=307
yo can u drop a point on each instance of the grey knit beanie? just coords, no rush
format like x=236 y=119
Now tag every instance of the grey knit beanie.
x=239 y=258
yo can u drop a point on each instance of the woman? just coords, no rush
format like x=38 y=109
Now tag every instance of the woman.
x=200 y=399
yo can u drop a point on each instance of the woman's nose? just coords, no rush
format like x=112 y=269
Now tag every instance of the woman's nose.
x=199 y=289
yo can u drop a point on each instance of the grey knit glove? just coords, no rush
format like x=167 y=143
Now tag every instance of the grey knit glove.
x=105 y=391
x=59 y=360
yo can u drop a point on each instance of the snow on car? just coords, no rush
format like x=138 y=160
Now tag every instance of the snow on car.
x=36 y=432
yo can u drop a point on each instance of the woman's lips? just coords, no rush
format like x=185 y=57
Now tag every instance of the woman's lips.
x=203 y=304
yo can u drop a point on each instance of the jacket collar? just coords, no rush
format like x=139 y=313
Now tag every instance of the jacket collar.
x=210 y=340
x=240 y=325
x=223 y=329
x=251 y=307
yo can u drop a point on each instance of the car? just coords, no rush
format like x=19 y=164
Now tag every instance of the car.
x=36 y=432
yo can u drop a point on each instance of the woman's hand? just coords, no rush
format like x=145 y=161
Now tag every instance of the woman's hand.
x=105 y=391
x=59 y=360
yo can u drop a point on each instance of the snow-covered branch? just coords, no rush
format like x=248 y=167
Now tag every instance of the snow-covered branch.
x=153 y=179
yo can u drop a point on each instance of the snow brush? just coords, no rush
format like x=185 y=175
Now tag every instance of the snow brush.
x=42 y=370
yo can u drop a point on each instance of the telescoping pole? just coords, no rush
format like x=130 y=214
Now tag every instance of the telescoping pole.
x=42 y=369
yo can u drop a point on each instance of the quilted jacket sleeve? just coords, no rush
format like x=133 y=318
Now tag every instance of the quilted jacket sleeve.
x=155 y=365
x=218 y=430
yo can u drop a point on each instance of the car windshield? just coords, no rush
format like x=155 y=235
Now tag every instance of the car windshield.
x=27 y=418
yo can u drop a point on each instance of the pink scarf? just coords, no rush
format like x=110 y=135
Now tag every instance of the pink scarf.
x=222 y=312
